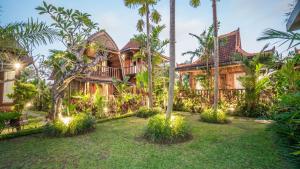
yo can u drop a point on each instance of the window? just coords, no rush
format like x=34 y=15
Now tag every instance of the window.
x=199 y=85
x=8 y=86
x=237 y=83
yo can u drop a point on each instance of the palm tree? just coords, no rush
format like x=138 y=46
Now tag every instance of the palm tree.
x=194 y=3
x=216 y=55
x=254 y=81
x=204 y=50
x=158 y=72
x=22 y=38
x=154 y=16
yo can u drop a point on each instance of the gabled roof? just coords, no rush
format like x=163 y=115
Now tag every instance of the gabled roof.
x=131 y=45
x=230 y=44
x=105 y=39
x=134 y=45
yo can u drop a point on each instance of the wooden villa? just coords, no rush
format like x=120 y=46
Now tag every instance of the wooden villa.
x=133 y=66
x=230 y=69
x=104 y=73
x=119 y=63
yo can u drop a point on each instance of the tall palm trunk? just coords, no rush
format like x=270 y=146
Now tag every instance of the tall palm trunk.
x=149 y=59
x=216 y=55
x=172 y=59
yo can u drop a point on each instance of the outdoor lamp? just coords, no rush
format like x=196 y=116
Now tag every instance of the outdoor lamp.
x=17 y=65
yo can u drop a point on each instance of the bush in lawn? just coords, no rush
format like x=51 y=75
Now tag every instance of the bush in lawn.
x=145 y=112
x=160 y=130
x=71 y=126
x=210 y=116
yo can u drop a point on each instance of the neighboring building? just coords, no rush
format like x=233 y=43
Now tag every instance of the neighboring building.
x=229 y=71
x=11 y=62
x=293 y=22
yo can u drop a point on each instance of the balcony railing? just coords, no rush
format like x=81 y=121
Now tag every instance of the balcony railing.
x=134 y=69
x=106 y=72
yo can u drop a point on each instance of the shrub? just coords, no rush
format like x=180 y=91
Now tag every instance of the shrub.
x=287 y=116
x=260 y=110
x=160 y=130
x=210 y=116
x=145 y=112
x=188 y=101
x=71 y=126
x=23 y=93
x=99 y=103
x=12 y=117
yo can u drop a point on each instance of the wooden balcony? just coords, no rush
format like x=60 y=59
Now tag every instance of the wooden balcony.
x=134 y=69
x=104 y=72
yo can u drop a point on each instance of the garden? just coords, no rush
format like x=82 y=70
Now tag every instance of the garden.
x=151 y=119
x=118 y=144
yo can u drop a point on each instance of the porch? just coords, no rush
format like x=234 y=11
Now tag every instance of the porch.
x=132 y=70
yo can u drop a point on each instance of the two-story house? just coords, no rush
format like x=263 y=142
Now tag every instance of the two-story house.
x=131 y=65
x=119 y=63
x=104 y=73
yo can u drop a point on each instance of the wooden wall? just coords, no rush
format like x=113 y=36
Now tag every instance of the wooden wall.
x=226 y=75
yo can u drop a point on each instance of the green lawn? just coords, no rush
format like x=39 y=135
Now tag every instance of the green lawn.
x=117 y=144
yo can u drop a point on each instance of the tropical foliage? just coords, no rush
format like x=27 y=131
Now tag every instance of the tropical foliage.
x=74 y=29
x=256 y=82
x=145 y=112
x=125 y=100
x=162 y=130
x=212 y=116
x=12 y=118
x=23 y=94
x=286 y=110
x=292 y=38
x=146 y=9
x=159 y=70
x=71 y=126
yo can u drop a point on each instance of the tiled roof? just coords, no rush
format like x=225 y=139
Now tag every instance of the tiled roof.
x=229 y=44
x=131 y=45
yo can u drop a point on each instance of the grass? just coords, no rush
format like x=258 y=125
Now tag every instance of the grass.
x=117 y=144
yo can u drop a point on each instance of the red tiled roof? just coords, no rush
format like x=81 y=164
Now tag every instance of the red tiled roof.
x=229 y=44
x=131 y=45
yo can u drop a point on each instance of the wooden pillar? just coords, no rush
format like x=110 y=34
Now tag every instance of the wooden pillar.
x=180 y=80
x=192 y=81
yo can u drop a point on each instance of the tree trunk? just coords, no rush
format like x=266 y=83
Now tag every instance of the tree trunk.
x=208 y=80
x=216 y=56
x=149 y=60
x=172 y=59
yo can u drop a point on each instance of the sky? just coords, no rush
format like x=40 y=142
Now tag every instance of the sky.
x=251 y=16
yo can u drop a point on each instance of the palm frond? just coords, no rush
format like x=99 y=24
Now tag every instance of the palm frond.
x=195 y=3
x=292 y=37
